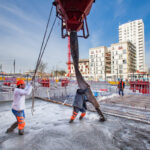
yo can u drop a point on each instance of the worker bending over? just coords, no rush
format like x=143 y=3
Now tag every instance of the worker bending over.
x=18 y=106
x=79 y=104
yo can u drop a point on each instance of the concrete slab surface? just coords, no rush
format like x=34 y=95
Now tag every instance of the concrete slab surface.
x=48 y=129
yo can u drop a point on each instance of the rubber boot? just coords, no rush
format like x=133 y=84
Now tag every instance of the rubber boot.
x=71 y=121
x=73 y=116
x=21 y=132
x=80 y=118
x=12 y=127
x=102 y=118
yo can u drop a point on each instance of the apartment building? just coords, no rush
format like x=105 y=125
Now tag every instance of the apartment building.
x=134 y=32
x=100 y=63
x=83 y=67
x=111 y=63
x=123 y=60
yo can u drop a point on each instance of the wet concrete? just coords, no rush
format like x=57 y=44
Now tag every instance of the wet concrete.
x=48 y=129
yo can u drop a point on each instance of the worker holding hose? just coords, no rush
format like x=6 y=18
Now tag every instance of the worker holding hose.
x=18 y=106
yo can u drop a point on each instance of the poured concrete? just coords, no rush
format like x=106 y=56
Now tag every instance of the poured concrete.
x=48 y=129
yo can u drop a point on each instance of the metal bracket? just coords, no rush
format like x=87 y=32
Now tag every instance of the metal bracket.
x=64 y=32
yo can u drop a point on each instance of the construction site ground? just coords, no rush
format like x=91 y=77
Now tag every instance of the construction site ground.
x=134 y=101
x=48 y=128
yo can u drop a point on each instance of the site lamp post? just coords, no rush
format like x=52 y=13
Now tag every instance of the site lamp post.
x=1 y=66
x=105 y=73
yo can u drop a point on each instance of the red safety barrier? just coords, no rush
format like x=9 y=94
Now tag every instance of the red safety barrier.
x=104 y=90
x=45 y=82
x=64 y=82
x=145 y=87
x=7 y=83
x=142 y=86
x=132 y=86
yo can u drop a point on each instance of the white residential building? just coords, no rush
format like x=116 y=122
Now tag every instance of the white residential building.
x=99 y=60
x=116 y=61
x=83 y=67
x=123 y=60
x=134 y=32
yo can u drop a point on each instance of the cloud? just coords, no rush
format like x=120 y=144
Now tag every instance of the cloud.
x=14 y=10
x=5 y=23
x=96 y=38
x=119 y=8
x=119 y=1
x=21 y=40
x=26 y=51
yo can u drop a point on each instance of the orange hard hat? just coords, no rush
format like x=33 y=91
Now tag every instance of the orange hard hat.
x=20 y=82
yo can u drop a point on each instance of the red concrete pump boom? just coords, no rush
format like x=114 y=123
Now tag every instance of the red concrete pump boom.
x=69 y=58
x=73 y=15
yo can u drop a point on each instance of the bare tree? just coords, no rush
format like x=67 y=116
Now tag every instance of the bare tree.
x=62 y=72
x=58 y=73
x=42 y=67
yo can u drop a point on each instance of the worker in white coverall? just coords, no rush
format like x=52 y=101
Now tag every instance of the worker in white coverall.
x=18 y=106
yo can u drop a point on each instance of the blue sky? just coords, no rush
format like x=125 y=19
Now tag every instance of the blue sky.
x=22 y=25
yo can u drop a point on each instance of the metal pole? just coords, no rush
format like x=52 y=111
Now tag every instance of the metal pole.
x=1 y=67
x=14 y=65
x=117 y=72
x=105 y=73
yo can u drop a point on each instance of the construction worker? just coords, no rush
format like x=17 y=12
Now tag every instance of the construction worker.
x=121 y=86
x=18 y=106
x=79 y=104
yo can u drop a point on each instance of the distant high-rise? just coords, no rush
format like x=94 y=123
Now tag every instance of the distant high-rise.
x=134 y=32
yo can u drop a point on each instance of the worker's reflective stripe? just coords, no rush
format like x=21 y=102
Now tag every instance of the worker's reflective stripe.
x=74 y=115
x=121 y=84
x=21 y=123
x=83 y=114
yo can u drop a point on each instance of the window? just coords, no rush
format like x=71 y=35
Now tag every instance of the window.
x=124 y=61
x=120 y=66
x=120 y=47
x=124 y=51
x=120 y=71
x=92 y=52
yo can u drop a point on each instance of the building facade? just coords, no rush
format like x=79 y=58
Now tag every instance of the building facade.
x=134 y=32
x=123 y=60
x=99 y=63
x=83 y=67
x=116 y=61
